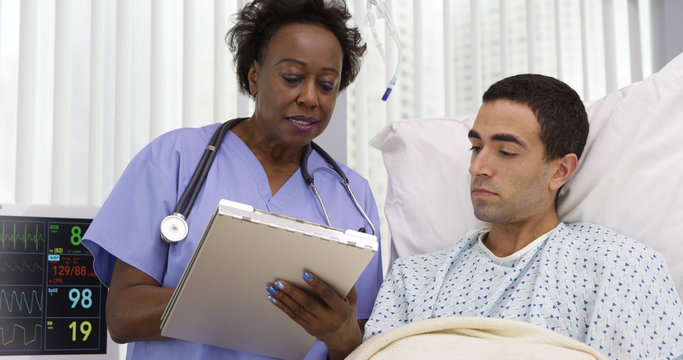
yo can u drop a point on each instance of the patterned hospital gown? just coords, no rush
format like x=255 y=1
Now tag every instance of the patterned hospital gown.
x=580 y=280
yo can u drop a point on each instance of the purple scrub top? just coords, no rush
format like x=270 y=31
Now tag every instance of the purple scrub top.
x=127 y=226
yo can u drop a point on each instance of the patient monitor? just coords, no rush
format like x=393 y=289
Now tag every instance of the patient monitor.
x=51 y=301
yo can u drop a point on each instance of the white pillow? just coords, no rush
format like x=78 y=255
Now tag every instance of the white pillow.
x=428 y=204
x=628 y=179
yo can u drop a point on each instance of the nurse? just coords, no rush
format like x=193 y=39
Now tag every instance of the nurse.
x=292 y=58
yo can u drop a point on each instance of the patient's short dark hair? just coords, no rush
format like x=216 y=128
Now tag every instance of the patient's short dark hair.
x=558 y=108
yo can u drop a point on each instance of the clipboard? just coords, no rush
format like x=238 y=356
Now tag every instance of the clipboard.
x=221 y=298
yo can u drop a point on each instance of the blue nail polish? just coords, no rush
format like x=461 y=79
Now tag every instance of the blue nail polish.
x=271 y=290
x=279 y=285
x=307 y=276
x=272 y=299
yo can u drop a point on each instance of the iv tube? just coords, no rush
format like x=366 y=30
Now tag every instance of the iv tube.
x=381 y=9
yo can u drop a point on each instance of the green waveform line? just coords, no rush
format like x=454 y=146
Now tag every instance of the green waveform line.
x=14 y=334
x=20 y=300
x=25 y=237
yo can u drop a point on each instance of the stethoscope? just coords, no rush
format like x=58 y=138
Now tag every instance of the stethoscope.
x=174 y=228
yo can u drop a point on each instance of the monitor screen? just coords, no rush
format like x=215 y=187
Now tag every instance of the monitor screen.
x=51 y=301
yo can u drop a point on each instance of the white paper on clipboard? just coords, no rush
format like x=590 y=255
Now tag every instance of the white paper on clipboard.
x=221 y=298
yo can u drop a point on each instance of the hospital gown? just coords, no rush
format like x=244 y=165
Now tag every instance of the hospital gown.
x=128 y=225
x=582 y=280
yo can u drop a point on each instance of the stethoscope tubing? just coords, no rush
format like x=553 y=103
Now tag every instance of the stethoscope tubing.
x=177 y=220
x=345 y=181
x=198 y=178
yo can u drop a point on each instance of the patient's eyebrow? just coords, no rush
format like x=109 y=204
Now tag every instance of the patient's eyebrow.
x=499 y=137
x=473 y=134
x=509 y=138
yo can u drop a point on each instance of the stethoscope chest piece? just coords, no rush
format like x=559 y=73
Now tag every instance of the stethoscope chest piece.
x=173 y=228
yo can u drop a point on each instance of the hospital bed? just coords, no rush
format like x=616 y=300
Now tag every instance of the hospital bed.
x=629 y=177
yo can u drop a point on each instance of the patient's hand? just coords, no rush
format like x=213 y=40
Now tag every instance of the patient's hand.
x=331 y=319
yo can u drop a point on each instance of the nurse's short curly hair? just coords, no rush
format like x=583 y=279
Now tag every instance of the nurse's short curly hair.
x=259 y=20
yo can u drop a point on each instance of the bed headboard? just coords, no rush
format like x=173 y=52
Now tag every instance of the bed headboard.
x=629 y=177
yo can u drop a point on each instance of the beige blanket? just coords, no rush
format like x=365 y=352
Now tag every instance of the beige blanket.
x=472 y=338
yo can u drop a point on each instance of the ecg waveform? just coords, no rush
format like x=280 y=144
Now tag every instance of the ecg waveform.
x=20 y=302
x=12 y=338
x=26 y=237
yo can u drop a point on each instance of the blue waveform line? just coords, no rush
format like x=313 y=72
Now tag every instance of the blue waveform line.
x=20 y=300
x=14 y=334
x=11 y=239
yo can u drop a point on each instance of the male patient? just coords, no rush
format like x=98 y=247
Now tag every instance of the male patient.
x=580 y=280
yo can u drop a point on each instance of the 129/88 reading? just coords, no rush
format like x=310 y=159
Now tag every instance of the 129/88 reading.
x=68 y=270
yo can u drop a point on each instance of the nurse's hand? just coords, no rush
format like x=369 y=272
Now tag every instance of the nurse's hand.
x=331 y=319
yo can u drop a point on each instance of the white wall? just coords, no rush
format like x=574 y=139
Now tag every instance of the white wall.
x=667 y=31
